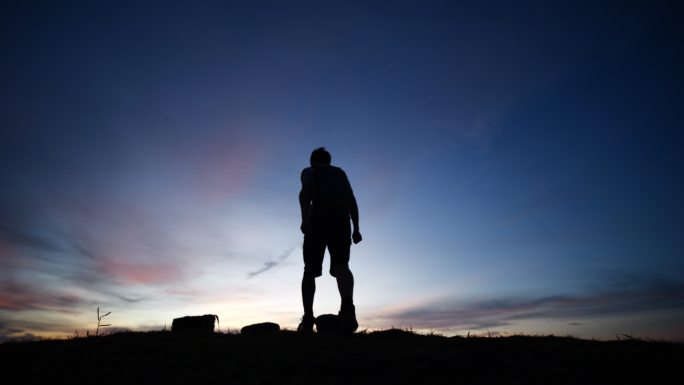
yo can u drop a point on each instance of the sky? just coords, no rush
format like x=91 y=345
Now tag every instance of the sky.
x=517 y=165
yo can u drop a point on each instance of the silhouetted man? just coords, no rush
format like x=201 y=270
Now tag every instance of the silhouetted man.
x=327 y=202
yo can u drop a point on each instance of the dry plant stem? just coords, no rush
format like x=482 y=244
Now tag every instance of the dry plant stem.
x=99 y=320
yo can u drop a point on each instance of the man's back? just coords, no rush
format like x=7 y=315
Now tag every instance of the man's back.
x=330 y=194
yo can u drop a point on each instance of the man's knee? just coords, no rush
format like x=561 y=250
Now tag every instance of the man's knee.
x=341 y=270
x=311 y=275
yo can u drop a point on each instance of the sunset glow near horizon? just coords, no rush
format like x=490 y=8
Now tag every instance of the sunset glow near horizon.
x=517 y=165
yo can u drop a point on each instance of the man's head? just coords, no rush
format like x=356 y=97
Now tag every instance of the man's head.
x=320 y=157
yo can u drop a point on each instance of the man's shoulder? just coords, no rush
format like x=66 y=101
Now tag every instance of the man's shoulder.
x=306 y=174
x=337 y=170
x=325 y=171
x=328 y=168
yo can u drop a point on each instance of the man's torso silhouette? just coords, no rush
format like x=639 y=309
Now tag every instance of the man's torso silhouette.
x=330 y=194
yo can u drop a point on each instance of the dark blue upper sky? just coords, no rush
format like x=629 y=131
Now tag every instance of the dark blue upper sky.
x=517 y=164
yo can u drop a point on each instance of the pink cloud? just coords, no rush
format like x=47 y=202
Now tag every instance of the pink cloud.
x=140 y=272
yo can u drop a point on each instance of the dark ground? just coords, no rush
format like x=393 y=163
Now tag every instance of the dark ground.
x=387 y=357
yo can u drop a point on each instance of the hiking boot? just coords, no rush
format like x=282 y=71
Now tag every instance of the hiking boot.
x=307 y=324
x=348 y=324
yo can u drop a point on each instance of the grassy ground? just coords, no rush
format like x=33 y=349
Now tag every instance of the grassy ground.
x=388 y=357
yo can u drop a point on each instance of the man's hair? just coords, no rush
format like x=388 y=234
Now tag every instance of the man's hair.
x=320 y=156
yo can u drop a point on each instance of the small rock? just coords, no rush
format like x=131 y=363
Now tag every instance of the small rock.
x=194 y=324
x=327 y=323
x=264 y=328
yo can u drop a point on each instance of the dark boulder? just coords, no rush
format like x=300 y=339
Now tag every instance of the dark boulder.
x=327 y=323
x=202 y=324
x=264 y=328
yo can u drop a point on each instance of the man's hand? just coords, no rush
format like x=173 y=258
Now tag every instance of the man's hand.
x=356 y=236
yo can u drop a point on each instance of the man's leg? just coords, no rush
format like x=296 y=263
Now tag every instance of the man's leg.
x=339 y=248
x=339 y=255
x=314 y=250
x=345 y=283
x=308 y=292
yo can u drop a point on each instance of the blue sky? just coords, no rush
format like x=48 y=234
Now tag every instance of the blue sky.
x=517 y=164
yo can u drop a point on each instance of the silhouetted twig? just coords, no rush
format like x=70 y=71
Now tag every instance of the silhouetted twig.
x=99 y=320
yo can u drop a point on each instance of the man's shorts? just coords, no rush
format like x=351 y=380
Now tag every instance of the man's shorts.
x=315 y=243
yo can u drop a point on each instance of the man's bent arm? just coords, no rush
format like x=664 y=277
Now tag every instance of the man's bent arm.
x=304 y=205
x=354 y=213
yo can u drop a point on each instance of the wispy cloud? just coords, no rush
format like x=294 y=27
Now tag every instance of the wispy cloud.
x=268 y=265
x=614 y=299
x=13 y=333
x=17 y=297
x=28 y=328
x=21 y=237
